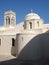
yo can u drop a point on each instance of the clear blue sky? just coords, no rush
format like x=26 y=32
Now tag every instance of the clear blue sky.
x=23 y=7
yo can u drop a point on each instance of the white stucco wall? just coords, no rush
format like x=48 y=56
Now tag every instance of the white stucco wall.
x=6 y=44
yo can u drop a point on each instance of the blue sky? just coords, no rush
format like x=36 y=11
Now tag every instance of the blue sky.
x=23 y=7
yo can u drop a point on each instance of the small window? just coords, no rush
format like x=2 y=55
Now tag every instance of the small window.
x=13 y=42
x=23 y=25
x=0 y=42
x=38 y=23
x=30 y=25
x=6 y=20
x=9 y=20
x=22 y=38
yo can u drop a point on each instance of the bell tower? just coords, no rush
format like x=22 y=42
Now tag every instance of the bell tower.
x=9 y=18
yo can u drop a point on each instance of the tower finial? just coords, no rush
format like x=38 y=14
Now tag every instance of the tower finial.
x=31 y=10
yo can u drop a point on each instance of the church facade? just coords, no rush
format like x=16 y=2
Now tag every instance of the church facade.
x=16 y=37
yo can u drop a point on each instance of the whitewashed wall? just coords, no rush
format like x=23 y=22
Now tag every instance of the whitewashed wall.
x=6 y=44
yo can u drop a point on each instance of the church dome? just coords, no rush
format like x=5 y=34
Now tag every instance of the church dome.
x=32 y=16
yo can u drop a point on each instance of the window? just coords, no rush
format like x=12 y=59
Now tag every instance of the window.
x=22 y=38
x=30 y=25
x=23 y=25
x=38 y=23
x=7 y=20
x=13 y=42
x=0 y=42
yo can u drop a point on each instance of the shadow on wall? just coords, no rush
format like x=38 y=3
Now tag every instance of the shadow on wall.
x=37 y=48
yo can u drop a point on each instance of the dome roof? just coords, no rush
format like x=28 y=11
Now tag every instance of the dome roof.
x=32 y=16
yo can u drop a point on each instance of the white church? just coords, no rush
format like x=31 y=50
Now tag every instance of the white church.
x=24 y=40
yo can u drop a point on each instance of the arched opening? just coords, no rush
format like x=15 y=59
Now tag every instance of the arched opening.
x=38 y=23
x=13 y=42
x=7 y=21
x=30 y=25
